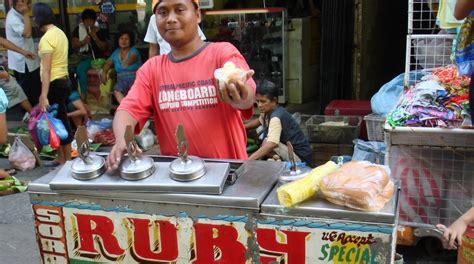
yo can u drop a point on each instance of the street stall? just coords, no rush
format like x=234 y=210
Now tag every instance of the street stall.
x=110 y=219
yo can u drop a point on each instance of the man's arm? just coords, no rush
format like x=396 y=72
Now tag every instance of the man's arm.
x=266 y=148
x=27 y=31
x=9 y=45
x=102 y=44
x=3 y=129
x=463 y=8
x=121 y=120
x=272 y=140
x=252 y=124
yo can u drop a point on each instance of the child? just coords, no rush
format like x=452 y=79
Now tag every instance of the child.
x=13 y=90
x=126 y=61
x=454 y=232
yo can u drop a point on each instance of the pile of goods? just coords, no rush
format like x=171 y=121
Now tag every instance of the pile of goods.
x=357 y=184
x=10 y=185
x=440 y=99
x=105 y=137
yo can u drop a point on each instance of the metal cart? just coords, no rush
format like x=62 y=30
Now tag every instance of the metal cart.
x=93 y=225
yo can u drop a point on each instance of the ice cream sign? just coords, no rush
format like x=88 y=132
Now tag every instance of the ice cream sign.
x=68 y=235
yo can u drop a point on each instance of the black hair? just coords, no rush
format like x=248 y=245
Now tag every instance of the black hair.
x=14 y=2
x=88 y=14
x=43 y=14
x=130 y=35
x=268 y=89
x=196 y=6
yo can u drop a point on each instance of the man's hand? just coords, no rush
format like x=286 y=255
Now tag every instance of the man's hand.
x=29 y=55
x=86 y=40
x=115 y=156
x=4 y=75
x=238 y=93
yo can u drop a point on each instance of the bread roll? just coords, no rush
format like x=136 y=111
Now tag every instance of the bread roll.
x=360 y=185
x=229 y=73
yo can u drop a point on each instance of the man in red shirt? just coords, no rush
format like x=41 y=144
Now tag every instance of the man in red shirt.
x=179 y=88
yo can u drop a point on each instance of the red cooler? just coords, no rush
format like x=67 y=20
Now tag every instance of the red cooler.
x=350 y=108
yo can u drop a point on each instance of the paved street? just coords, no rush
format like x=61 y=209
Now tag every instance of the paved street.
x=17 y=236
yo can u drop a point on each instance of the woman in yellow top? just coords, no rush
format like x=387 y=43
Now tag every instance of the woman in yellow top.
x=55 y=83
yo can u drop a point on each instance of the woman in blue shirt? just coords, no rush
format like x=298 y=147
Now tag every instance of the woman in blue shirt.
x=126 y=61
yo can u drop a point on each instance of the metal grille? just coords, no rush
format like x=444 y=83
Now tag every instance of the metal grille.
x=425 y=52
x=436 y=183
x=422 y=16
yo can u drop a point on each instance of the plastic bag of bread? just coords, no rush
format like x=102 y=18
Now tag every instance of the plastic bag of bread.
x=360 y=185
x=229 y=72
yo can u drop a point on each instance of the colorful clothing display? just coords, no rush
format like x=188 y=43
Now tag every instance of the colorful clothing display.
x=440 y=99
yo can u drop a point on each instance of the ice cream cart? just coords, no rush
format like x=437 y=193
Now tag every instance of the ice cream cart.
x=97 y=221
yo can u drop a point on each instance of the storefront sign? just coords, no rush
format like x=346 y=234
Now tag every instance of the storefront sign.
x=69 y=235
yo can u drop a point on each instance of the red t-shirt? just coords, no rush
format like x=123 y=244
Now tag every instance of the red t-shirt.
x=185 y=92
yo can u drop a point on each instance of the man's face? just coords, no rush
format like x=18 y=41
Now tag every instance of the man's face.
x=23 y=5
x=177 y=21
x=265 y=104
x=88 y=22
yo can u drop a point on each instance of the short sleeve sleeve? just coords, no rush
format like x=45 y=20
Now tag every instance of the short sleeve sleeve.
x=16 y=25
x=139 y=100
x=274 y=130
x=45 y=45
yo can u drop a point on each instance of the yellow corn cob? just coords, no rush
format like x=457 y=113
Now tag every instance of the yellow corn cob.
x=297 y=191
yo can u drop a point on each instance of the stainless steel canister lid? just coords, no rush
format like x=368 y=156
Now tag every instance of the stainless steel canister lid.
x=293 y=172
x=187 y=170
x=89 y=168
x=291 y=175
x=138 y=169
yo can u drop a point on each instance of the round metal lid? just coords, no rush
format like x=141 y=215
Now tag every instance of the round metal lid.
x=190 y=169
x=90 y=168
x=138 y=169
x=290 y=175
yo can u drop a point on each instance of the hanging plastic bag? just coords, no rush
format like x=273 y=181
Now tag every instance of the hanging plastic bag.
x=58 y=127
x=386 y=99
x=54 y=140
x=42 y=129
x=35 y=115
x=21 y=157
x=372 y=151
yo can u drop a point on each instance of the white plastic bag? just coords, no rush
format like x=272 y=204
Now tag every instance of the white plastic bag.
x=21 y=157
